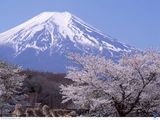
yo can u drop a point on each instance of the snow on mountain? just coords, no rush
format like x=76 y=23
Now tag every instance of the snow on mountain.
x=51 y=35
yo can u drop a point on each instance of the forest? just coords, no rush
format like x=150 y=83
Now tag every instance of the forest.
x=94 y=86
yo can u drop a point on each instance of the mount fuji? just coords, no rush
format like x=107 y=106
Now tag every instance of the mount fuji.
x=43 y=42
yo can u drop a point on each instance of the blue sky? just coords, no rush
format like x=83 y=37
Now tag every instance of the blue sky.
x=135 y=22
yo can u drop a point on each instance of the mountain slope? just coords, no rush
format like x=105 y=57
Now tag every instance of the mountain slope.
x=43 y=42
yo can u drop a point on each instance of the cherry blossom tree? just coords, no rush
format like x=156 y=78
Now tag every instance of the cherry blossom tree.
x=10 y=83
x=130 y=87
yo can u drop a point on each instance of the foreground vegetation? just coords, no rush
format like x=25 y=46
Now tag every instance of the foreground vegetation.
x=130 y=87
x=95 y=87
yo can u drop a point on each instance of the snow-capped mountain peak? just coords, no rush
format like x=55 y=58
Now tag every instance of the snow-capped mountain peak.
x=60 y=19
x=60 y=33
